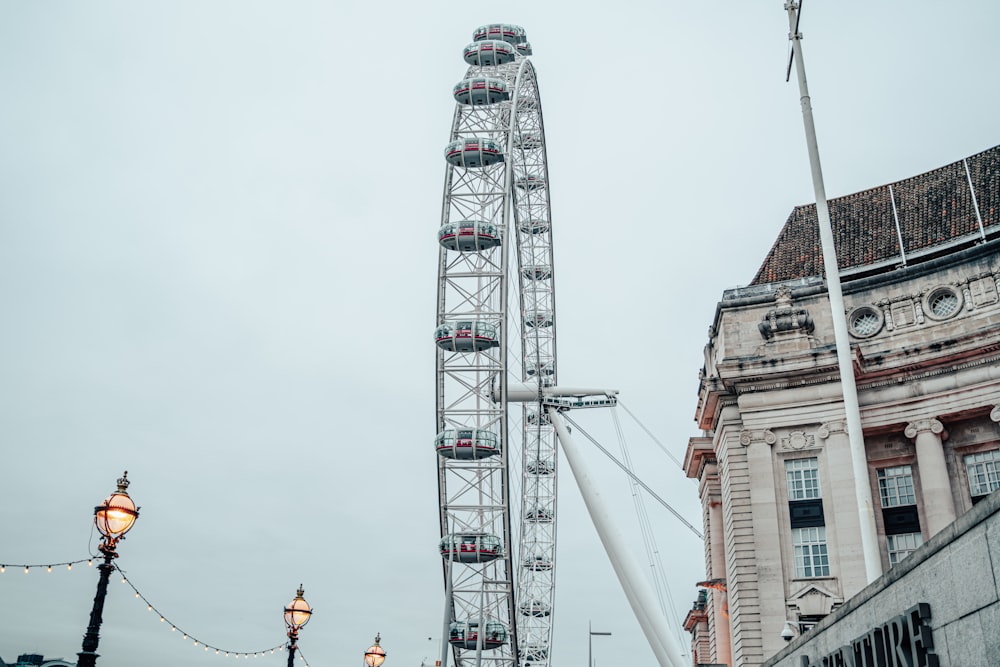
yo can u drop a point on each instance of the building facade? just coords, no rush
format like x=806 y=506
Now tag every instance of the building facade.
x=920 y=268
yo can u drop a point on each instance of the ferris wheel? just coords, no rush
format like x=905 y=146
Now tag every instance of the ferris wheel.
x=496 y=327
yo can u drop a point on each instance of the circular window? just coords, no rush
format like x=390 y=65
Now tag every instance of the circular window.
x=943 y=303
x=865 y=322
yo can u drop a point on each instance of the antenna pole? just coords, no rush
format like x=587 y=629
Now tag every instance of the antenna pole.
x=859 y=458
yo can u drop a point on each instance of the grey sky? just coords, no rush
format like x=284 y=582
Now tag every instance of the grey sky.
x=217 y=269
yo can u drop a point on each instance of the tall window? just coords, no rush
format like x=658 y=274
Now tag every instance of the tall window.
x=900 y=546
x=811 y=559
x=895 y=485
x=803 y=478
x=984 y=472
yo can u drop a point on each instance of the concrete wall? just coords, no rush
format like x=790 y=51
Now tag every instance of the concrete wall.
x=957 y=573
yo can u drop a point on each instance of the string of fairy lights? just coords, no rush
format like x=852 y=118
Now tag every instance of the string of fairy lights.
x=185 y=636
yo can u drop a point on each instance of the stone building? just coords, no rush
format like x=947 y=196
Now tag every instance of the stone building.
x=920 y=268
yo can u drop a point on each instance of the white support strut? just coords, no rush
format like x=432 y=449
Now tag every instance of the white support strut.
x=636 y=589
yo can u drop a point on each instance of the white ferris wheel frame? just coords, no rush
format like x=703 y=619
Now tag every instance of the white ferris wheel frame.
x=475 y=496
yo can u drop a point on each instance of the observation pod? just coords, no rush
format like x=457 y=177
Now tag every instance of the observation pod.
x=538 y=318
x=543 y=368
x=466 y=336
x=512 y=34
x=469 y=236
x=466 y=635
x=539 y=515
x=480 y=91
x=471 y=548
x=534 y=226
x=473 y=152
x=530 y=182
x=537 y=563
x=540 y=467
x=528 y=141
x=489 y=52
x=537 y=272
x=467 y=444
x=536 y=608
x=545 y=420
x=524 y=49
x=535 y=652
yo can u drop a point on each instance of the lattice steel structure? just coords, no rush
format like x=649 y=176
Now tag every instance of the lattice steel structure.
x=497 y=464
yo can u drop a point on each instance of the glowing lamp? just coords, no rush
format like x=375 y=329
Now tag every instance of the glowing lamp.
x=115 y=516
x=298 y=612
x=375 y=655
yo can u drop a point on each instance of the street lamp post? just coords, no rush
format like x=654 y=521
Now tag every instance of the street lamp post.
x=297 y=614
x=375 y=655
x=590 y=643
x=113 y=518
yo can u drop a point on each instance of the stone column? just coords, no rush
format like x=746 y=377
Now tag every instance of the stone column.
x=720 y=617
x=768 y=562
x=939 y=505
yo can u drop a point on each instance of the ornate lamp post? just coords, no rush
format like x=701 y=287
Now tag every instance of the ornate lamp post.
x=297 y=614
x=375 y=655
x=113 y=518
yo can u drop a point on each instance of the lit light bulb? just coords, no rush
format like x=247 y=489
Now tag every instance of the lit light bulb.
x=3 y=568
x=137 y=593
x=149 y=607
x=49 y=568
x=173 y=628
x=90 y=561
x=162 y=619
x=69 y=566
x=26 y=569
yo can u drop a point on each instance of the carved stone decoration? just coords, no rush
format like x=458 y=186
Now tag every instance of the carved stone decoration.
x=783 y=318
x=798 y=440
x=995 y=413
x=829 y=428
x=748 y=437
x=913 y=429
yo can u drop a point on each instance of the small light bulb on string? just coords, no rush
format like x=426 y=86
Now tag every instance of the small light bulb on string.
x=149 y=607
x=137 y=593
x=162 y=620
x=216 y=651
x=69 y=566
x=90 y=562
x=49 y=568
x=26 y=569
x=123 y=580
x=195 y=642
x=3 y=568
x=185 y=635
x=206 y=647
x=173 y=628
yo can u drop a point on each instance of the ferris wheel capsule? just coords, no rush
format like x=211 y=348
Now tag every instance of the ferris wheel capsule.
x=469 y=236
x=538 y=318
x=537 y=272
x=489 y=52
x=523 y=48
x=537 y=608
x=467 y=444
x=473 y=152
x=466 y=336
x=543 y=367
x=512 y=34
x=534 y=226
x=537 y=563
x=535 y=652
x=530 y=182
x=538 y=515
x=540 y=467
x=465 y=634
x=470 y=547
x=528 y=141
x=478 y=91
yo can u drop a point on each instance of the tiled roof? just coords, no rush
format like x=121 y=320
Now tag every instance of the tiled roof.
x=934 y=209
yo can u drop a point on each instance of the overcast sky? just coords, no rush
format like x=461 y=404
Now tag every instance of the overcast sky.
x=217 y=270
